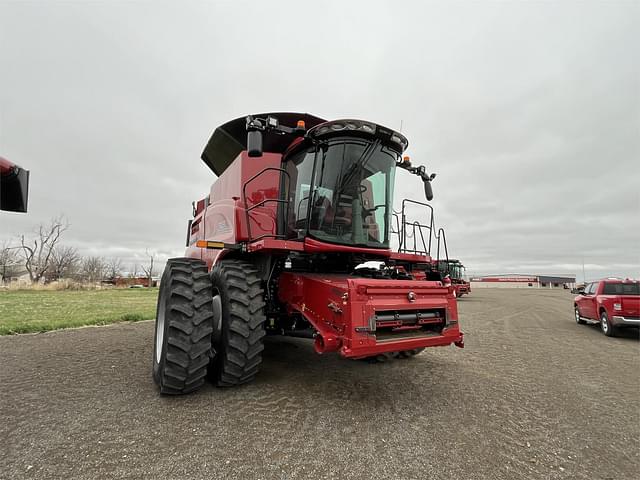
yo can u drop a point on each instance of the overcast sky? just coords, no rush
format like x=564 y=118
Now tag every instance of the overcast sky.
x=528 y=112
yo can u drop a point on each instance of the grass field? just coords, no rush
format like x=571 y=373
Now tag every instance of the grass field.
x=26 y=311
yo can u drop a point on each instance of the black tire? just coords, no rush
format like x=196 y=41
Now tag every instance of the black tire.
x=241 y=315
x=184 y=322
x=579 y=321
x=605 y=325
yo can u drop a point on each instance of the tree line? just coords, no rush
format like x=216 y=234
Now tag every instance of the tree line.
x=46 y=259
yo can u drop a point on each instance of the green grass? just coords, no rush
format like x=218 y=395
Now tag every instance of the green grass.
x=27 y=311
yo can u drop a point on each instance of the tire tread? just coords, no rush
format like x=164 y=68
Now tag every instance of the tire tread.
x=189 y=319
x=241 y=352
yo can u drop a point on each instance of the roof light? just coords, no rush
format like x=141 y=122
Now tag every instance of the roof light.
x=300 y=125
x=336 y=126
x=352 y=125
x=400 y=140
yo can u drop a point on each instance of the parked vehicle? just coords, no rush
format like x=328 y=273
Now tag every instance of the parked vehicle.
x=275 y=249
x=578 y=289
x=456 y=271
x=612 y=303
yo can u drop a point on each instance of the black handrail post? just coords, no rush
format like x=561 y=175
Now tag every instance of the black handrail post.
x=431 y=229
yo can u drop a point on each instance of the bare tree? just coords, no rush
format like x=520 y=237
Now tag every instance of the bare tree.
x=148 y=269
x=113 y=268
x=133 y=273
x=93 y=269
x=8 y=261
x=37 y=254
x=63 y=263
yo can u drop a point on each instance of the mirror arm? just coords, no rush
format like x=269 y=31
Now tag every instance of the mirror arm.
x=422 y=173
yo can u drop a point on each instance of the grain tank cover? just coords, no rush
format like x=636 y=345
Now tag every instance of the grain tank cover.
x=230 y=139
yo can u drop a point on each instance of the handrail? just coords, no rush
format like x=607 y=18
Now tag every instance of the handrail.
x=441 y=235
x=404 y=227
x=264 y=202
x=398 y=228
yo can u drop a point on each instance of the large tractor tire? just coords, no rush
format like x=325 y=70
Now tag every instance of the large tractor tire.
x=238 y=304
x=184 y=324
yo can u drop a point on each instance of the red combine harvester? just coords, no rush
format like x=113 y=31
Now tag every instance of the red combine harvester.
x=14 y=187
x=293 y=239
x=456 y=272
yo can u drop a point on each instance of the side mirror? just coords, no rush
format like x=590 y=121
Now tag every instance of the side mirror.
x=428 y=191
x=254 y=143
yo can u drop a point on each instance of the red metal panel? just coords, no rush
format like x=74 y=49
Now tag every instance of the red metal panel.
x=275 y=244
x=312 y=245
x=226 y=215
x=341 y=308
x=410 y=257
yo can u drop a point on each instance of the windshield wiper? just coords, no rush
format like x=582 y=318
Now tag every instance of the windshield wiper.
x=358 y=165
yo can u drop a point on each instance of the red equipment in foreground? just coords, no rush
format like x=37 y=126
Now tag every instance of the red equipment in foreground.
x=294 y=239
x=14 y=187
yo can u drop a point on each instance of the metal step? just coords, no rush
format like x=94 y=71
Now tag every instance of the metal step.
x=590 y=321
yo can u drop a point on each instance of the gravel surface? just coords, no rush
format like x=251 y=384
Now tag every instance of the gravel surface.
x=533 y=395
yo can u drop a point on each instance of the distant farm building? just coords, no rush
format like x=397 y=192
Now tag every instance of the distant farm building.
x=134 y=281
x=523 y=281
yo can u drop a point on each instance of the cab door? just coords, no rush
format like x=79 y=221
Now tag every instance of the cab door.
x=587 y=302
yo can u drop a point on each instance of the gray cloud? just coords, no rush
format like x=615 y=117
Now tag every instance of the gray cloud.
x=528 y=112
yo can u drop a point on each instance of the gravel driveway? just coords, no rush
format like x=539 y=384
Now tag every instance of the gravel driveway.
x=533 y=395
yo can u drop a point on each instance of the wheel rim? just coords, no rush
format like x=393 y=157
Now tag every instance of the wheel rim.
x=217 y=316
x=160 y=331
x=604 y=324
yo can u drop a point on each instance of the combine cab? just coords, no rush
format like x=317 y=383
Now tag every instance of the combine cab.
x=456 y=272
x=294 y=239
x=14 y=187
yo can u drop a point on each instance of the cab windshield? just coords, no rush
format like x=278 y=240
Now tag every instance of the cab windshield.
x=454 y=269
x=342 y=191
x=457 y=271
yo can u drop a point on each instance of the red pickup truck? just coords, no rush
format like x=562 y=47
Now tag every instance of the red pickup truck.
x=612 y=303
